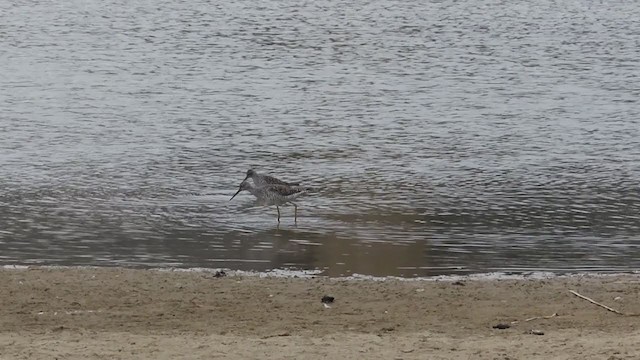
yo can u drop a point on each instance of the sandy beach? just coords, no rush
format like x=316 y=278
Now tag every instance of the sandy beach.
x=114 y=313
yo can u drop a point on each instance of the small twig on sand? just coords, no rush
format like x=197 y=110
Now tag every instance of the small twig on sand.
x=541 y=317
x=536 y=318
x=286 y=333
x=601 y=305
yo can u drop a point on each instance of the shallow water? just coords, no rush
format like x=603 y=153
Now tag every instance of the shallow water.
x=445 y=137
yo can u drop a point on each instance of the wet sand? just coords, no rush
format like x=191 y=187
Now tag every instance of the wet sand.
x=114 y=313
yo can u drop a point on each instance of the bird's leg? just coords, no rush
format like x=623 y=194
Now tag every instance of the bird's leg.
x=295 y=212
x=277 y=208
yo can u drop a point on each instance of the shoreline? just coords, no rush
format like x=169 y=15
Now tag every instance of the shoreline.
x=95 y=312
x=311 y=274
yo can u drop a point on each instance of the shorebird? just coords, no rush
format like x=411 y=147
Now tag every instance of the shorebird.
x=260 y=180
x=274 y=195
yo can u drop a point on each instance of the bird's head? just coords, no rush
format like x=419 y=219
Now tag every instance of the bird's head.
x=243 y=186
x=250 y=174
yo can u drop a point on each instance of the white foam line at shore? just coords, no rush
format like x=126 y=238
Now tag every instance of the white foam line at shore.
x=308 y=274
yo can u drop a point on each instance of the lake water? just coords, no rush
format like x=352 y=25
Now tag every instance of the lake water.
x=444 y=137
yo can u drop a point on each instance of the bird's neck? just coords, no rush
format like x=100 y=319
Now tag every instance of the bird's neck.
x=251 y=189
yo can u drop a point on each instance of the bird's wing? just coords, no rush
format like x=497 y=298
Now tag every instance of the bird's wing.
x=285 y=190
x=276 y=181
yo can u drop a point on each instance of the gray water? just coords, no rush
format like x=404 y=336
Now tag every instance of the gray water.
x=444 y=137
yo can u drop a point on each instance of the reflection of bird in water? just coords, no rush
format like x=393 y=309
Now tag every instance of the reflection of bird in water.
x=274 y=195
x=260 y=180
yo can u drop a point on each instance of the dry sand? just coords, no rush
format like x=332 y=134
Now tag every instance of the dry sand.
x=102 y=313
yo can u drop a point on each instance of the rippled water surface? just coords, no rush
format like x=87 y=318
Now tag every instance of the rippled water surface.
x=443 y=136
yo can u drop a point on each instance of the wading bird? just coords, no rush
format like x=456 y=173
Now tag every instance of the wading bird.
x=277 y=195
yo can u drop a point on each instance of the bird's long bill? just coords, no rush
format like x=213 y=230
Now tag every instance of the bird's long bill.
x=234 y=195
